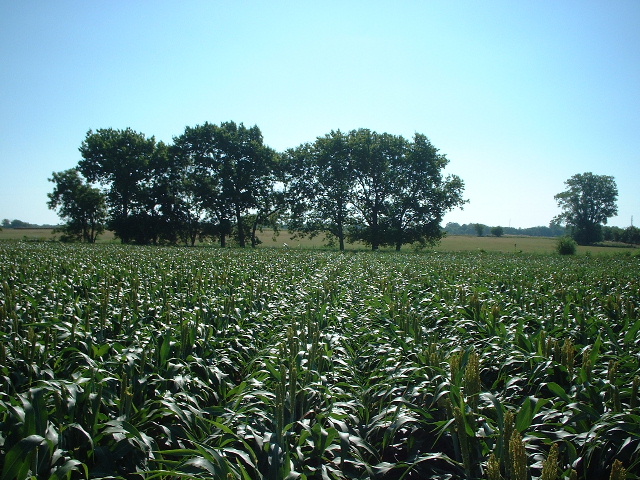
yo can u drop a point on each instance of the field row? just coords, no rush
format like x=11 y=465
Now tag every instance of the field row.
x=209 y=363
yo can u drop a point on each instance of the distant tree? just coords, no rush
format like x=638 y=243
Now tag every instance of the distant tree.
x=497 y=231
x=271 y=202
x=80 y=205
x=479 y=228
x=199 y=199
x=631 y=235
x=246 y=170
x=612 y=234
x=376 y=188
x=6 y=223
x=587 y=203
x=120 y=159
x=19 y=224
x=374 y=158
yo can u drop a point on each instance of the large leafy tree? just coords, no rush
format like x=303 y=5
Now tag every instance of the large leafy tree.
x=321 y=187
x=420 y=195
x=199 y=187
x=121 y=160
x=377 y=188
x=375 y=159
x=246 y=170
x=587 y=203
x=229 y=172
x=80 y=205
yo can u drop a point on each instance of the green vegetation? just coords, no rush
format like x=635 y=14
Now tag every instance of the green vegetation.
x=122 y=361
x=83 y=207
x=222 y=182
x=552 y=230
x=586 y=204
x=566 y=246
x=497 y=231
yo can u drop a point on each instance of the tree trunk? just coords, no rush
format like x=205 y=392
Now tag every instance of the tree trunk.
x=254 y=227
x=340 y=233
x=375 y=241
x=241 y=240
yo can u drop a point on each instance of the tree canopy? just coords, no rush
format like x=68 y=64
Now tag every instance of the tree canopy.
x=587 y=203
x=222 y=180
x=82 y=206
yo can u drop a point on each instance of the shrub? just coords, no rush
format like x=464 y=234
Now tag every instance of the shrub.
x=566 y=246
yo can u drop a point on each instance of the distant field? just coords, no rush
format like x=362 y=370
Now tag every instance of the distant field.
x=451 y=243
x=41 y=235
x=458 y=243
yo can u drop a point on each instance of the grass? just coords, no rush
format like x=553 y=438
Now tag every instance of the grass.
x=458 y=243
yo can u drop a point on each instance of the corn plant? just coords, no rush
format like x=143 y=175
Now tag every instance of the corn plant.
x=120 y=362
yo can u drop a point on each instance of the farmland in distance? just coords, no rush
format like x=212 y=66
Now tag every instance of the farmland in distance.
x=164 y=362
x=450 y=243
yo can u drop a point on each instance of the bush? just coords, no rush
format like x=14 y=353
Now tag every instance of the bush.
x=566 y=246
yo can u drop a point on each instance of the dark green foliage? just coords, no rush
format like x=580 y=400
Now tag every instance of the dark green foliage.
x=497 y=231
x=120 y=361
x=552 y=230
x=221 y=180
x=122 y=160
x=566 y=246
x=587 y=204
x=380 y=189
x=82 y=206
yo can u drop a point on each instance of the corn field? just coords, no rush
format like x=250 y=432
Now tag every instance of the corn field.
x=177 y=363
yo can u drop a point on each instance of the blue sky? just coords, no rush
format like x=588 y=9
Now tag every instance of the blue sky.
x=520 y=96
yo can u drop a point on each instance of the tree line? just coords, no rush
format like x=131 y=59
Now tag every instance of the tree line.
x=553 y=230
x=223 y=182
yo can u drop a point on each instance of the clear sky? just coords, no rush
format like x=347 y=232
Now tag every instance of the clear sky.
x=520 y=95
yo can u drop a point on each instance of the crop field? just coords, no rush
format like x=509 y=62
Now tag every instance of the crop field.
x=180 y=363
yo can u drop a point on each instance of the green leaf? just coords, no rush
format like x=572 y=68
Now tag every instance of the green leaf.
x=559 y=391
x=18 y=459
x=100 y=351
x=71 y=465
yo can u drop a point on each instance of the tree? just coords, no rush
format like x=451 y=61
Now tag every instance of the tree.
x=376 y=188
x=271 y=201
x=320 y=177
x=198 y=186
x=497 y=231
x=479 y=229
x=80 y=205
x=120 y=159
x=587 y=203
x=419 y=195
x=246 y=170
x=229 y=172
x=631 y=235
x=374 y=158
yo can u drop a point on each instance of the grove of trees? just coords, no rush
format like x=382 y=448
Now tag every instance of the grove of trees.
x=222 y=181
